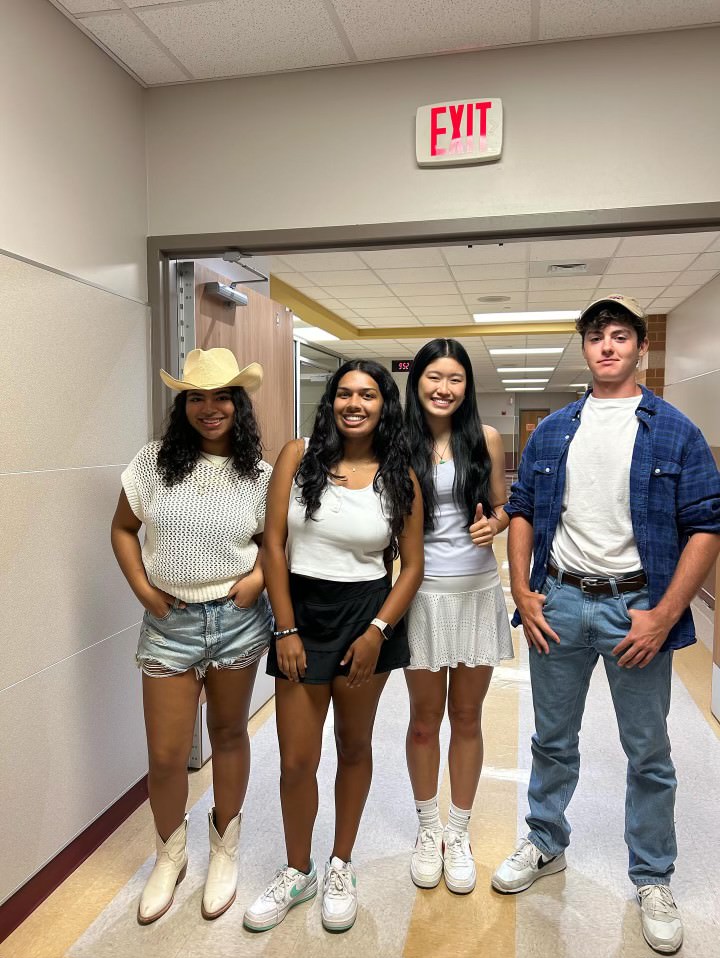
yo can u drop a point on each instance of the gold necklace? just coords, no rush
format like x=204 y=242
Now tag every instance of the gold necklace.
x=353 y=469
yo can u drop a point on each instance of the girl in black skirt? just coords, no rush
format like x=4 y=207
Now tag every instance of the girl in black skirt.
x=338 y=508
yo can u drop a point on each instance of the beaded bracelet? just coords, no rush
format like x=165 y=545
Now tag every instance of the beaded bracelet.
x=283 y=632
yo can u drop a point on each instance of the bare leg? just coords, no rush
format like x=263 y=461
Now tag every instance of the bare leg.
x=355 y=711
x=170 y=706
x=428 y=692
x=300 y=711
x=468 y=688
x=228 y=695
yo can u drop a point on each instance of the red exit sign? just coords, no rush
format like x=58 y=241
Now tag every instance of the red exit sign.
x=458 y=132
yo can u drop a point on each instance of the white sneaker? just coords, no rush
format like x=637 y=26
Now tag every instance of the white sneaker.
x=288 y=888
x=426 y=864
x=526 y=864
x=460 y=872
x=339 y=904
x=661 y=923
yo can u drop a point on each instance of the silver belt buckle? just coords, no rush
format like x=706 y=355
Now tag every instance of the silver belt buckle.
x=590 y=580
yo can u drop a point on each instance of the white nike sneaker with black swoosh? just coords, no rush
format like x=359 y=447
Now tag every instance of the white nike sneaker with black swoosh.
x=526 y=864
x=288 y=888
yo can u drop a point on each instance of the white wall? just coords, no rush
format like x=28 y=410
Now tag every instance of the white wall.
x=596 y=124
x=692 y=359
x=74 y=373
x=72 y=166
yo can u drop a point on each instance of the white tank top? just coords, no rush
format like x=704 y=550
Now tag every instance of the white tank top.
x=449 y=550
x=345 y=539
x=595 y=532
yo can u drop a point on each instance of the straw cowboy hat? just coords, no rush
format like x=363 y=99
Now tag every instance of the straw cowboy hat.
x=214 y=369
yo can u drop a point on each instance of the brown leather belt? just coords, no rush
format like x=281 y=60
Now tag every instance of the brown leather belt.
x=600 y=585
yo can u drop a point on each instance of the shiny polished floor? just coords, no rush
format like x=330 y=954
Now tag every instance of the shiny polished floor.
x=589 y=910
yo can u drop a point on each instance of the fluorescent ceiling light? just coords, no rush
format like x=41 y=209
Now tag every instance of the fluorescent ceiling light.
x=537 y=316
x=312 y=334
x=522 y=351
x=524 y=389
x=526 y=380
x=525 y=369
x=579 y=385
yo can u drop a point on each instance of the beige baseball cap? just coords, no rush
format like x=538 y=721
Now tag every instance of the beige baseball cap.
x=214 y=369
x=615 y=299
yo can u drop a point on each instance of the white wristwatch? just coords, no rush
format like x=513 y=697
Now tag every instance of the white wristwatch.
x=386 y=630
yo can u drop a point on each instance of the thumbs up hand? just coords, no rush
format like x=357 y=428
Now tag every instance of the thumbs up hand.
x=481 y=531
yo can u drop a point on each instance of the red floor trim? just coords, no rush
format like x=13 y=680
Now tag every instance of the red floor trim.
x=26 y=899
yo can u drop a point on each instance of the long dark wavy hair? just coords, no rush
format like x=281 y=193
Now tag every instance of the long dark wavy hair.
x=389 y=445
x=180 y=446
x=470 y=451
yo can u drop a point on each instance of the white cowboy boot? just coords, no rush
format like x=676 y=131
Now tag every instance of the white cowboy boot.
x=168 y=872
x=221 y=884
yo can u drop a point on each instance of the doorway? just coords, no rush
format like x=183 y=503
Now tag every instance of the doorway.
x=528 y=422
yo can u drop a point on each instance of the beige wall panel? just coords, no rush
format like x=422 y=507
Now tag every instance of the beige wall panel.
x=336 y=146
x=72 y=172
x=262 y=332
x=74 y=366
x=693 y=337
x=57 y=568
x=73 y=743
x=699 y=399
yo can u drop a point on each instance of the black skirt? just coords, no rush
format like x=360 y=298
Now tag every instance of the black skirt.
x=329 y=617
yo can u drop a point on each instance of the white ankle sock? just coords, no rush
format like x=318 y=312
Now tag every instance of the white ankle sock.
x=458 y=819
x=428 y=813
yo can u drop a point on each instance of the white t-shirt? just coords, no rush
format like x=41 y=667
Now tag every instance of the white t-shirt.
x=595 y=533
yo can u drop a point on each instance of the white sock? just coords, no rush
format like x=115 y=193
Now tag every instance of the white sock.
x=429 y=814
x=458 y=819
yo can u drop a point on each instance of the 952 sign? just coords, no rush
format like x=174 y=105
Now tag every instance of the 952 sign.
x=401 y=365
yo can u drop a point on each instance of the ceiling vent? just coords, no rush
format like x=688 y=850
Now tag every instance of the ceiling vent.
x=568 y=267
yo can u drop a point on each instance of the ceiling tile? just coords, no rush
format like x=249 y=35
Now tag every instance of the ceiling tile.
x=638 y=292
x=650 y=264
x=398 y=258
x=345 y=292
x=423 y=289
x=496 y=271
x=492 y=286
x=663 y=244
x=570 y=296
x=297 y=280
x=618 y=281
x=563 y=282
x=86 y=6
x=238 y=38
x=333 y=279
x=448 y=299
x=425 y=311
x=379 y=29
x=433 y=274
x=706 y=261
x=495 y=253
x=664 y=305
x=122 y=34
x=560 y=19
x=715 y=245
x=304 y=262
x=574 y=249
x=696 y=277
x=376 y=302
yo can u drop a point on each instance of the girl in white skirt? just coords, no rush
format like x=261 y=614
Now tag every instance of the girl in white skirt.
x=458 y=626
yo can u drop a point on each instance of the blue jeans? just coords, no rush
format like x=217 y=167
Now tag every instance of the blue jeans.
x=589 y=627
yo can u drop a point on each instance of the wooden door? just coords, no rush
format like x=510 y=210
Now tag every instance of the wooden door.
x=259 y=332
x=529 y=418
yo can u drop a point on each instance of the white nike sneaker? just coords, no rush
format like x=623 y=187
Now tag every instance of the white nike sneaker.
x=339 y=904
x=460 y=874
x=288 y=888
x=426 y=864
x=526 y=864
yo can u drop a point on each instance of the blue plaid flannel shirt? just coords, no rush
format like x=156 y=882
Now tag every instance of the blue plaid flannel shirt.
x=674 y=492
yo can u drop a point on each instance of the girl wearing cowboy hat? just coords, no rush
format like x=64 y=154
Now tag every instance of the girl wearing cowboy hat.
x=336 y=508
x=200 y=492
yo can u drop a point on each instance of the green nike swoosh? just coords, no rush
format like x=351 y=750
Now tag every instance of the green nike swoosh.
x=295 y=891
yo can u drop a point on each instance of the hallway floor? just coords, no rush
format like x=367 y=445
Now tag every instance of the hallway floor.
x=588 y=910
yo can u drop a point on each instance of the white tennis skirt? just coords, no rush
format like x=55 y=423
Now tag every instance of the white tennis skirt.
x=459 y=620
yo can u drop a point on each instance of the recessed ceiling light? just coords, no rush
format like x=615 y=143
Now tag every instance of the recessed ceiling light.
x=526 y=351
x=535 y=316
x=523 y=389
x=526 y=380
x=525 y=369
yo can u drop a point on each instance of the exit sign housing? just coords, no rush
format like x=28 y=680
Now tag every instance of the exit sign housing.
x=459 y=132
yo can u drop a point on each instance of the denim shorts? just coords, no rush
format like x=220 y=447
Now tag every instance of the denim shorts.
x=204 y=634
